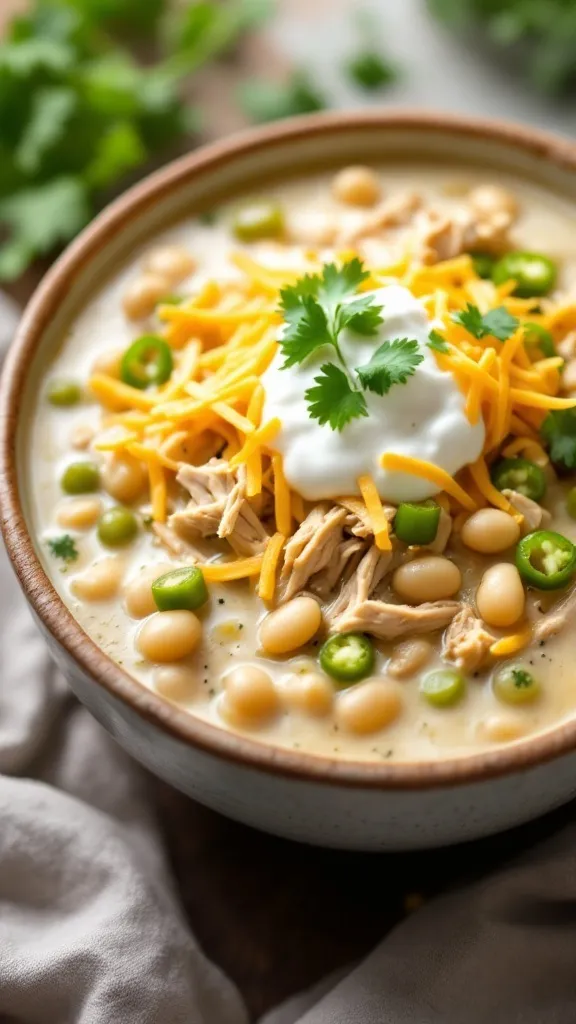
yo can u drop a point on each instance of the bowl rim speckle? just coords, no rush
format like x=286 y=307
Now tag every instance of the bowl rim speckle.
x=47 y=604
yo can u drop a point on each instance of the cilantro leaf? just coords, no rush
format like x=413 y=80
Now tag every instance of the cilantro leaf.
x=437 y=342
x=500 y=323
x=559 y=432
x=370 y=70
x=392 y=363
x=497 y=323
x=40 y=218
x=262 y=100
x=63 y=547
x=51 y=111
x=315 y=312
x=360 y=315
x=306 y=329
x=333 y=400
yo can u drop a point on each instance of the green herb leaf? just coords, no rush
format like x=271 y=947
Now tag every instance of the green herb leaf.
x=333 y=400
x=306 y=329
x=51 y=111
x=319 y=306
x=40 y=218
x=497 y=323
x=437 y=342
x=63 y=547
x=262 y=100
x=559 y=432
x=392 y=363
x=370 y=70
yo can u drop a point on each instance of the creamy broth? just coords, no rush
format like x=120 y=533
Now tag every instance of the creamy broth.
x=230 y=620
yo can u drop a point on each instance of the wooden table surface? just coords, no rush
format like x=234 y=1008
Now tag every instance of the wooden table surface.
x=274 y=915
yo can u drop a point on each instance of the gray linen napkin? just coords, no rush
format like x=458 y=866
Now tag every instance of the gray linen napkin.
x=91 y=931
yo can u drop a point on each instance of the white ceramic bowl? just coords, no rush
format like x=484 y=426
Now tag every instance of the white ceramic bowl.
x=305 y=797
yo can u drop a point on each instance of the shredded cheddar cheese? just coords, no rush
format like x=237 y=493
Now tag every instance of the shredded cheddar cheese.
x=267 y=582
x=511 y=644
x=418 y=467
x=375 y=511
x=225 y=572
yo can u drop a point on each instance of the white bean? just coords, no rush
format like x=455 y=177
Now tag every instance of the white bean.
x=169 y=636
x=249 y=697
x=79 y=513
x=357 y=186
x=290 y=626
x=138 y=590
x=368 y=707
x=431 y=578
x=175 y=682
x=124 y=477
x=500 y=597
x=99 y=582
x=172 y=262
x=408 y=657
x=310 y=693
x=143 y=295
x=490 y=531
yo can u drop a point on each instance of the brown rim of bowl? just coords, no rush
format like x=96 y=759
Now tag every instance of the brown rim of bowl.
x=48 y=605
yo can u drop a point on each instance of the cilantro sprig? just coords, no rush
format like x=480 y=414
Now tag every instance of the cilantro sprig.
x=315 y=311
x=497 y=323
x=63 y=547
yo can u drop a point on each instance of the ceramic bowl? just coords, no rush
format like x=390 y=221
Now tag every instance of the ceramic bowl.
x=310 y=798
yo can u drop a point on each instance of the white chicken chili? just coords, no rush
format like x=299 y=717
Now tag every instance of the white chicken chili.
x=305 y=466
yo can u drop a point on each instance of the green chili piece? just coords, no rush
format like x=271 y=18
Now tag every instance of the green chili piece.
x=257 y=220
x=347 y=657
x=538 y=342
x=181 y=588
x=117 y=526
x=546 y=560
x=148 y=361
x=63 y=392
x=483 y=264
x=80 y=478
x=417 y=524
x=534 y=273
x=443 y=687
x=513 y=684
x=520 y=475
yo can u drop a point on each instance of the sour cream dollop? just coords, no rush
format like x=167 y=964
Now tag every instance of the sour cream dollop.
x=423 y=418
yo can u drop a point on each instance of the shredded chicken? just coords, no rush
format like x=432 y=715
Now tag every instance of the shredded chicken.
x=370 y=572
x=358 y=521
x=312 y=547
x=218 y=507
x=567 y=347
x=467 y=641
x=393 y=212
x=534 y=515
x=551 y=623
x=342 y=565
x=441 y=236
x=389 y=621
x=443 y=533
x=174 y=544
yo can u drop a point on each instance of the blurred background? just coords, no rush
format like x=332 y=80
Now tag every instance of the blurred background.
x=95 y=93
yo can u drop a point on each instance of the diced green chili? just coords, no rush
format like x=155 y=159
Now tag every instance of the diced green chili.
x=443 y=687
x=417 y=524
x=259 y=219
x=513 y=684
x=546 y=560
x=520 y=475
x=534 y=273
x=80 y=478
x=148 y=361
x=483 y=264
x=347 y=657
x=538 y=342
x=63 y=392
x=181 y=588
x=117 y=526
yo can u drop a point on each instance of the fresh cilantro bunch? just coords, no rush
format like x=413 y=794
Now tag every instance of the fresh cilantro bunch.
x=63 y=547
x=316 y=310
x=539 y=34
x=79 y=113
